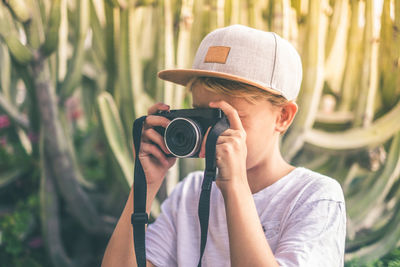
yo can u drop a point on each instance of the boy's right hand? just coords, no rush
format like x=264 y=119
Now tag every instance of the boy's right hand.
x=153 y=152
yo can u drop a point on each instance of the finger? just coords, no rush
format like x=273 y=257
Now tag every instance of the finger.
x=148 y=149
x=152 y=121
x=234 y=133
x=230 y=141
x=171 y=160
x=156 y=107
x=202 y=153
x=154 y=137
x=230 y=113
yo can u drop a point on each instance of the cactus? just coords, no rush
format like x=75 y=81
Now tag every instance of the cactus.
x=336 y=45
x=20 y=9
x=49 y=215
x=368 y=82
x=377 y=133
x=389 y=54
x=20 y=52
x=74 y=72
x=115 y=135
x=9 y=33
x=312 y=84
x=51 y=42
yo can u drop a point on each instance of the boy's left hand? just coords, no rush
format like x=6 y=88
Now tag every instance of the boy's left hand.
x=231 y=150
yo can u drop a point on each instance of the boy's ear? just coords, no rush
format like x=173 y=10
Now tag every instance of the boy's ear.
x=286 y=116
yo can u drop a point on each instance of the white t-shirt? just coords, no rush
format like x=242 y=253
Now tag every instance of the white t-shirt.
x=302 y=214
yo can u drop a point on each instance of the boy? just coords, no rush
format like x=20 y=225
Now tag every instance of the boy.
x=264 y=212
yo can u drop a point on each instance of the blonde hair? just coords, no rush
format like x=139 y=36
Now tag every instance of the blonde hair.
x=237 y=89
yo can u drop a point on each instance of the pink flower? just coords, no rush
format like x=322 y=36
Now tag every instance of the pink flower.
x=4 y=121
x=33 y=137
x=35 y=242
x=73 y=108
x=3 y=140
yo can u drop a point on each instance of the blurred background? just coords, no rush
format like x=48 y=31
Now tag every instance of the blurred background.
x=75 y=74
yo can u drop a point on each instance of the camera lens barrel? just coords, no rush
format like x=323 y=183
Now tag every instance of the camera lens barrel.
x=183 y=137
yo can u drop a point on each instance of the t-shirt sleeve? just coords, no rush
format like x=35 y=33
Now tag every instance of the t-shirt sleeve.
x=315 y=232
x=161 y=238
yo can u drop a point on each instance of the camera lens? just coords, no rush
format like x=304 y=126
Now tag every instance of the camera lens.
x=183 y=137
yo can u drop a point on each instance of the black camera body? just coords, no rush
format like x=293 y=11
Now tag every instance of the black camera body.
x=185 y=133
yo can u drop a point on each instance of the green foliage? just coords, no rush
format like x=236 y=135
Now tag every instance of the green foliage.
x=392 y=259
x=20 y=242
x=16 y=226
x=91 y=154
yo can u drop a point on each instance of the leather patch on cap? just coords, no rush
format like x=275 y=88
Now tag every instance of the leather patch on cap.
x=217 y=54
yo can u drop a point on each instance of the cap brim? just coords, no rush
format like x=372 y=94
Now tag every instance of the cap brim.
x=183 y=77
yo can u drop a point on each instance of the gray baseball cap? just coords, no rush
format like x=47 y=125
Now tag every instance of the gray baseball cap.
x=247 y=55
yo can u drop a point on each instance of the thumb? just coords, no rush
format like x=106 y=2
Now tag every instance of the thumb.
x=202 y=153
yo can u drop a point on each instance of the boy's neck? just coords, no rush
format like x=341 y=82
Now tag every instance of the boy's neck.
x=267 y=172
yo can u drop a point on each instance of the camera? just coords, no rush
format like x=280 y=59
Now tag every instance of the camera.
x=184 y=134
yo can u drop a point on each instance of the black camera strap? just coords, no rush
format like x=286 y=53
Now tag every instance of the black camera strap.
x=209 y=176
x=139 y=217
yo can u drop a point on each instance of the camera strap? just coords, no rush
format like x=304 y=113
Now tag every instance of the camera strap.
x=209 y=176
x=139 y=217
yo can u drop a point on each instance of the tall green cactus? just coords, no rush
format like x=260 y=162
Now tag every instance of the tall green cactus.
x=115 y=135
x=59 y=167
x=312 y=84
